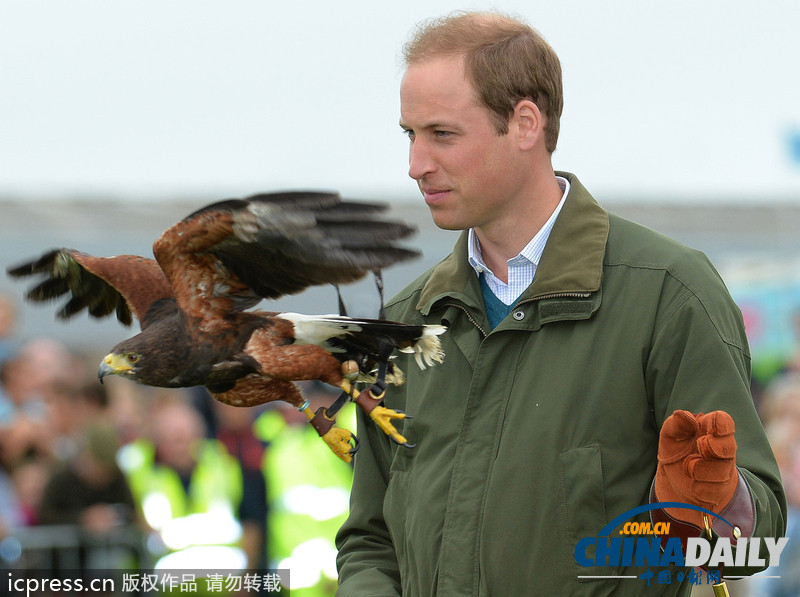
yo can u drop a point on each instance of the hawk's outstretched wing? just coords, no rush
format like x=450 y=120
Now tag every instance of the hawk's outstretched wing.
x=102 y=285
x=223 y=259
x=228 y=255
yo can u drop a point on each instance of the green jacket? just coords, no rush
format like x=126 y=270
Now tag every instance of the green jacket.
x=534 y=435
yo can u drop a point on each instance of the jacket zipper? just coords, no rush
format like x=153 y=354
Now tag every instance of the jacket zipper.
x=464 y=309
x=530 y=300
x=556 y=295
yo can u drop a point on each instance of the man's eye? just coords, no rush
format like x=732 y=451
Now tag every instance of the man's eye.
x=442 y=133
x=408 y=133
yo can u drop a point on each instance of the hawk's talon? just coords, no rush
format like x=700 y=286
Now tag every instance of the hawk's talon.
x=356 y=445
x=383 y=417
x=338 y=440
x=405 y=415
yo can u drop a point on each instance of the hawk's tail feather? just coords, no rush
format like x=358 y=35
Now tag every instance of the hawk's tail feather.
x=368 y=337
x=427 y=350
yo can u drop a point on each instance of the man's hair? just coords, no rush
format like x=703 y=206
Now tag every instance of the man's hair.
x=506 y=61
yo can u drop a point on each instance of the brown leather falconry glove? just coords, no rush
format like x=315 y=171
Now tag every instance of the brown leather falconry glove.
x=696 y=463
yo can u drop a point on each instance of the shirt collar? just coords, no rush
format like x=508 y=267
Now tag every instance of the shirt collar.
x=532 y=252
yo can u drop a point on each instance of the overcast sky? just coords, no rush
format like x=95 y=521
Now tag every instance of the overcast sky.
x=153 y=98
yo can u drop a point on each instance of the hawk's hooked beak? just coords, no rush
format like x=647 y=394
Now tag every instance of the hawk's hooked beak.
x=113 y=364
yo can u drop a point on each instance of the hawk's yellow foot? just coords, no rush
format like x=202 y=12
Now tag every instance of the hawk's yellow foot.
x=383 y=417
x=338 y=440
x=369 y=401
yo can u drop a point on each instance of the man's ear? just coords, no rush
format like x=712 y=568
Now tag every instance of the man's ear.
x=528 y=122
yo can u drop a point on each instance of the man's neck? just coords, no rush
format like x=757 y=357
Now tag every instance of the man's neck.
x=505 y=239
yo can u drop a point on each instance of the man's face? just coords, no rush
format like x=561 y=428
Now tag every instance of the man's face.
x=468 y=174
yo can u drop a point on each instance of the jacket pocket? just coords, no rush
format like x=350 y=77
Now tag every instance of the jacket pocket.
x=584 y=508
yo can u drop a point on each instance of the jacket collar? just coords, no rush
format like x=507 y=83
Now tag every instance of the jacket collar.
x=572 y=261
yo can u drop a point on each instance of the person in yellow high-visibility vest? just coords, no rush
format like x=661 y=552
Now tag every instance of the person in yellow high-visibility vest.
x=189 y=490
x=308 y=491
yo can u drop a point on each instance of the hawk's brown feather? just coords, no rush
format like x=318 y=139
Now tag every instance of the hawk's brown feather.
x=103 y=285
x=223 y=259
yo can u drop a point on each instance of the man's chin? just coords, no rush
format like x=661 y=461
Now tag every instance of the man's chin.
x=445 y=220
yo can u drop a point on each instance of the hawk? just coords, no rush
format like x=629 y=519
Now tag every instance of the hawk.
x=194 y=304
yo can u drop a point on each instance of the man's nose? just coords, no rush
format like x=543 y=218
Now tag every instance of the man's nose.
x=420 y=160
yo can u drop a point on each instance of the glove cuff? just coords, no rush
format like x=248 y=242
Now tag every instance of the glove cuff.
x=740 y=512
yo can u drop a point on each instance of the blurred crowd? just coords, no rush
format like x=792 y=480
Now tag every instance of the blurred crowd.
x=201 y=484
x=210 y=485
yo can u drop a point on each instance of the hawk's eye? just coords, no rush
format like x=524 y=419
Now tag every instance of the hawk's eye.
x=132 y=358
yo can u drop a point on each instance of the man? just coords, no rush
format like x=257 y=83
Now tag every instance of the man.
x=573 y=337
x=191 y=490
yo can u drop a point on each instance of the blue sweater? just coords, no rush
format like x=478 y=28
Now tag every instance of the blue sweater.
x=496 y=310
